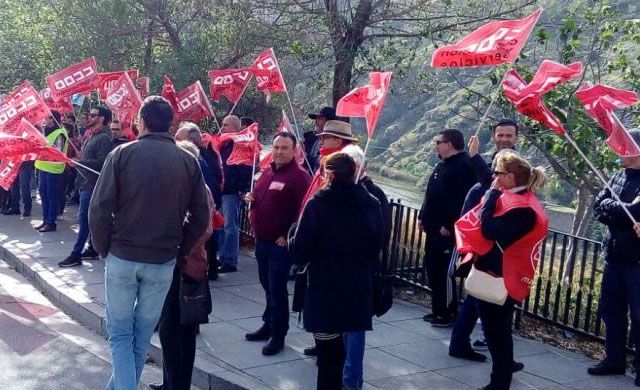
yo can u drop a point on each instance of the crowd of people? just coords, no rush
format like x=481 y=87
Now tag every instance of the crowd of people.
x=326 y=218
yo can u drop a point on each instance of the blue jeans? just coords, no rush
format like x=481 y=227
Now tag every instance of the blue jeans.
x=135 y=293
x=83 y=220
x=354 y=355
x=50 y=196
x=22 y=186
x=463 y=327
x=230 y=235
x=620 y=295
x=274 y=263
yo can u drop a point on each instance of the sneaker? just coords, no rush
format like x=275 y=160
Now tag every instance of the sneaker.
x=440 y=322
x=273 y=347
x=468 y=355
x=429 y=317
x=605 y=368
x=223 y=269
x=72 y=260
x=310 y=351
x=155 y=386
x=262 y=334
x=89 y=253
x=480 y=344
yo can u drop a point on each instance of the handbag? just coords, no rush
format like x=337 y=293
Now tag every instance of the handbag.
x=485 y=287
x=217 y=220
x=382 y=293
x=195 y=301
x=299 y=290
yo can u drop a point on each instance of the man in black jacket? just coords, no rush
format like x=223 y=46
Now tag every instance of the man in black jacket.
x=447 y=187
x=94 y=153
x=620 y=292
x=148 y=208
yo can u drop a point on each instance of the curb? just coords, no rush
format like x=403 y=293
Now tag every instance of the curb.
x=77 y=304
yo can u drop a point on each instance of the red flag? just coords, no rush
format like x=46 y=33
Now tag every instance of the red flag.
x=62 y=106
x=143 y=86
x=10 y=97
x=9 y=169
x=229 y=83
x=492 y=44
x=193 y=104
x=169 y=93
x=14 y=145
x=26 y=103
x=245 y=145
x=212 y=140
x=268 y=75
x=125 y=102
x=78 y=78
x=108 y=79
x=283 y=126
x=600 y=101
x=527 y=98
x=366 y=101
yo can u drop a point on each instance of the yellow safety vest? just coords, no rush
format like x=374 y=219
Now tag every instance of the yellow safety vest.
x=49 y=166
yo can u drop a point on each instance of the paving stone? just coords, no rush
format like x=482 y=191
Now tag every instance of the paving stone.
x=430 y=355
x=379 y=364
x=419 y=381
x=555 y=367
x=246 y=354
x=385 y=334
x=417 y=326
x=293 y=375
x=232 y=307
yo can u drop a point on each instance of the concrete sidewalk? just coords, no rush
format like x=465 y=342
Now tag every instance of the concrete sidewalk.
x=403 y=352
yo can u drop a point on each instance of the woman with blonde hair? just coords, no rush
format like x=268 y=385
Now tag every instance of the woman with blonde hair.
x=504 y=233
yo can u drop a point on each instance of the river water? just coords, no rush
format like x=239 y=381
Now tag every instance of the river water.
x=409 y=194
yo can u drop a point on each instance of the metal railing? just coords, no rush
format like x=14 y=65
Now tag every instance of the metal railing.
x=566 y=290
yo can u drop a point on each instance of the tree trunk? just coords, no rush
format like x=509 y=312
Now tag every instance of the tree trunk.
x=148 y=51
x=584 y=213
x=342 y=73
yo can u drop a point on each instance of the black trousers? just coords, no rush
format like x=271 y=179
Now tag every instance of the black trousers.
x=330 y=363
x=497 y=322
x=436 y=262
x=212 y=256
x=178 y=341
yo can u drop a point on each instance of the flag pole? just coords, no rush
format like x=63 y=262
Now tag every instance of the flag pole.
x=253 y=173
x=235 y=104
x=295 y=126
x=364 y=157
x=599 y=175
x=68 y=139
x=85 y=167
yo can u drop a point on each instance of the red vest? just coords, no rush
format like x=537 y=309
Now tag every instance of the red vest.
x=520 y=259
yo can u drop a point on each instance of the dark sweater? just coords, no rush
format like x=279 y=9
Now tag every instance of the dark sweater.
x=138 y=208
x=622 y=243
x=278 y=194
x=504 y=230
x=94 y=153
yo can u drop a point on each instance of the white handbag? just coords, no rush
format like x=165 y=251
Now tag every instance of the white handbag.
x=485 y=287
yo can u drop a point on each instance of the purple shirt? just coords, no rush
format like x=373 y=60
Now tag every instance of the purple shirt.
x=278 y=194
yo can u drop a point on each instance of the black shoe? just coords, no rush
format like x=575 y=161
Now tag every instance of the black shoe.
x=89 y=253
x=274 y=346
x=47 y=228
x=39 y=226
x=637 y=381
x=262 y=334
x=223 y=269
x=11 y=212
x=72 y=260
x=26 y=213
x=480 y=344
x=212 y=276
x=468 y=355
x=517 y=366
x=604 y=368
x=429 y=317
x=155 y=386
x=310 y=351
x=440 y=322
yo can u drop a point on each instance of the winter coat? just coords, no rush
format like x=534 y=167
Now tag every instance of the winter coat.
x=340 y=234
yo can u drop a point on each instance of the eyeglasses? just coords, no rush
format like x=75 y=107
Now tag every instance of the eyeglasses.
x=497 y=173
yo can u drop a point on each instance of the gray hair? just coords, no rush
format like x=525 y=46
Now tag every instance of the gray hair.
x=192 y=131
x=355 y=152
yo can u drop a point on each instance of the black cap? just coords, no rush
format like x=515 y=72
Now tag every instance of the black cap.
x=327 y=112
